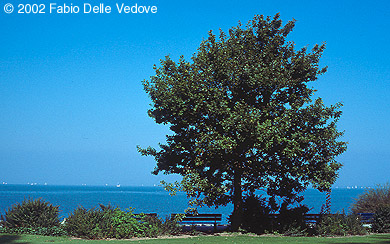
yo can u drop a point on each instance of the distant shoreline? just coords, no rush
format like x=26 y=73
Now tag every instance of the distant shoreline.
x=157 y=186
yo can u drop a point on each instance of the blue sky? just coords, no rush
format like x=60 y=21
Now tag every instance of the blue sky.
x=73 y=108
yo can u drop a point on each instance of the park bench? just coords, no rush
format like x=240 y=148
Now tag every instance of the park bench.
x=366 y=218
x=200 y=219
x=309 y=218
x=312 y=218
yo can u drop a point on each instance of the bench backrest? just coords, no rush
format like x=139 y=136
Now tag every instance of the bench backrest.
x=366 y=217
x=312 y=218
x=200 y=218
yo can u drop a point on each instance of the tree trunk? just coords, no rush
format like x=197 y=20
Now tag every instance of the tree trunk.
x=237 y=201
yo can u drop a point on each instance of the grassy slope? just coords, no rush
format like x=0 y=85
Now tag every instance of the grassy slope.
x=244 y=239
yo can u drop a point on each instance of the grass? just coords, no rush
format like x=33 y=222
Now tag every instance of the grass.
x=228 y=239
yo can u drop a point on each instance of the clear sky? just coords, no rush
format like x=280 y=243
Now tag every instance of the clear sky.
x=73 y=108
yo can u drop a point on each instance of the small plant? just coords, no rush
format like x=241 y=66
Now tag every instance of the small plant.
x=381 y=222
x=340 y=225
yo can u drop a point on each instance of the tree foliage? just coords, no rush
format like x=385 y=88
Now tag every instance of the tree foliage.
x=381 y=221
x=242 y=117
x=372 y=199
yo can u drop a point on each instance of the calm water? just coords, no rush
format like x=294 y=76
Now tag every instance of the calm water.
x=143 y=199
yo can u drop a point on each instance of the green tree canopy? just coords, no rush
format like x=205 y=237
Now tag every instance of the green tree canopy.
x=242 y=117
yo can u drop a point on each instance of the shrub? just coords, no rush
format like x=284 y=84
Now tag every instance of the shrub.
x=127 y=225
x=32 y=213
x=89 y=223
x=168 y=226
x=32 y=217
x=256 y=218
x=171 y=225
x=109 y=222
x=381 y=221
x=372 y=199
x=340 y=225
x=291 y=221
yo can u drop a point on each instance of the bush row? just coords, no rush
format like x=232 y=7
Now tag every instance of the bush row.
x=110 y=222
x=42 y=218
x=290 y=221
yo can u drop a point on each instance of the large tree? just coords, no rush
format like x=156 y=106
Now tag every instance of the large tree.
x=242 y=117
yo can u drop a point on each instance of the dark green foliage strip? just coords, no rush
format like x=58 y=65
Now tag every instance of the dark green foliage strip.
x=229 y=239
x=43 y=231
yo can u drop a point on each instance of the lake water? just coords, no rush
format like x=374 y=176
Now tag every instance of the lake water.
x=144 y=199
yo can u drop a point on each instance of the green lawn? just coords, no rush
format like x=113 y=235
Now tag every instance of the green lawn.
x=231 y=239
